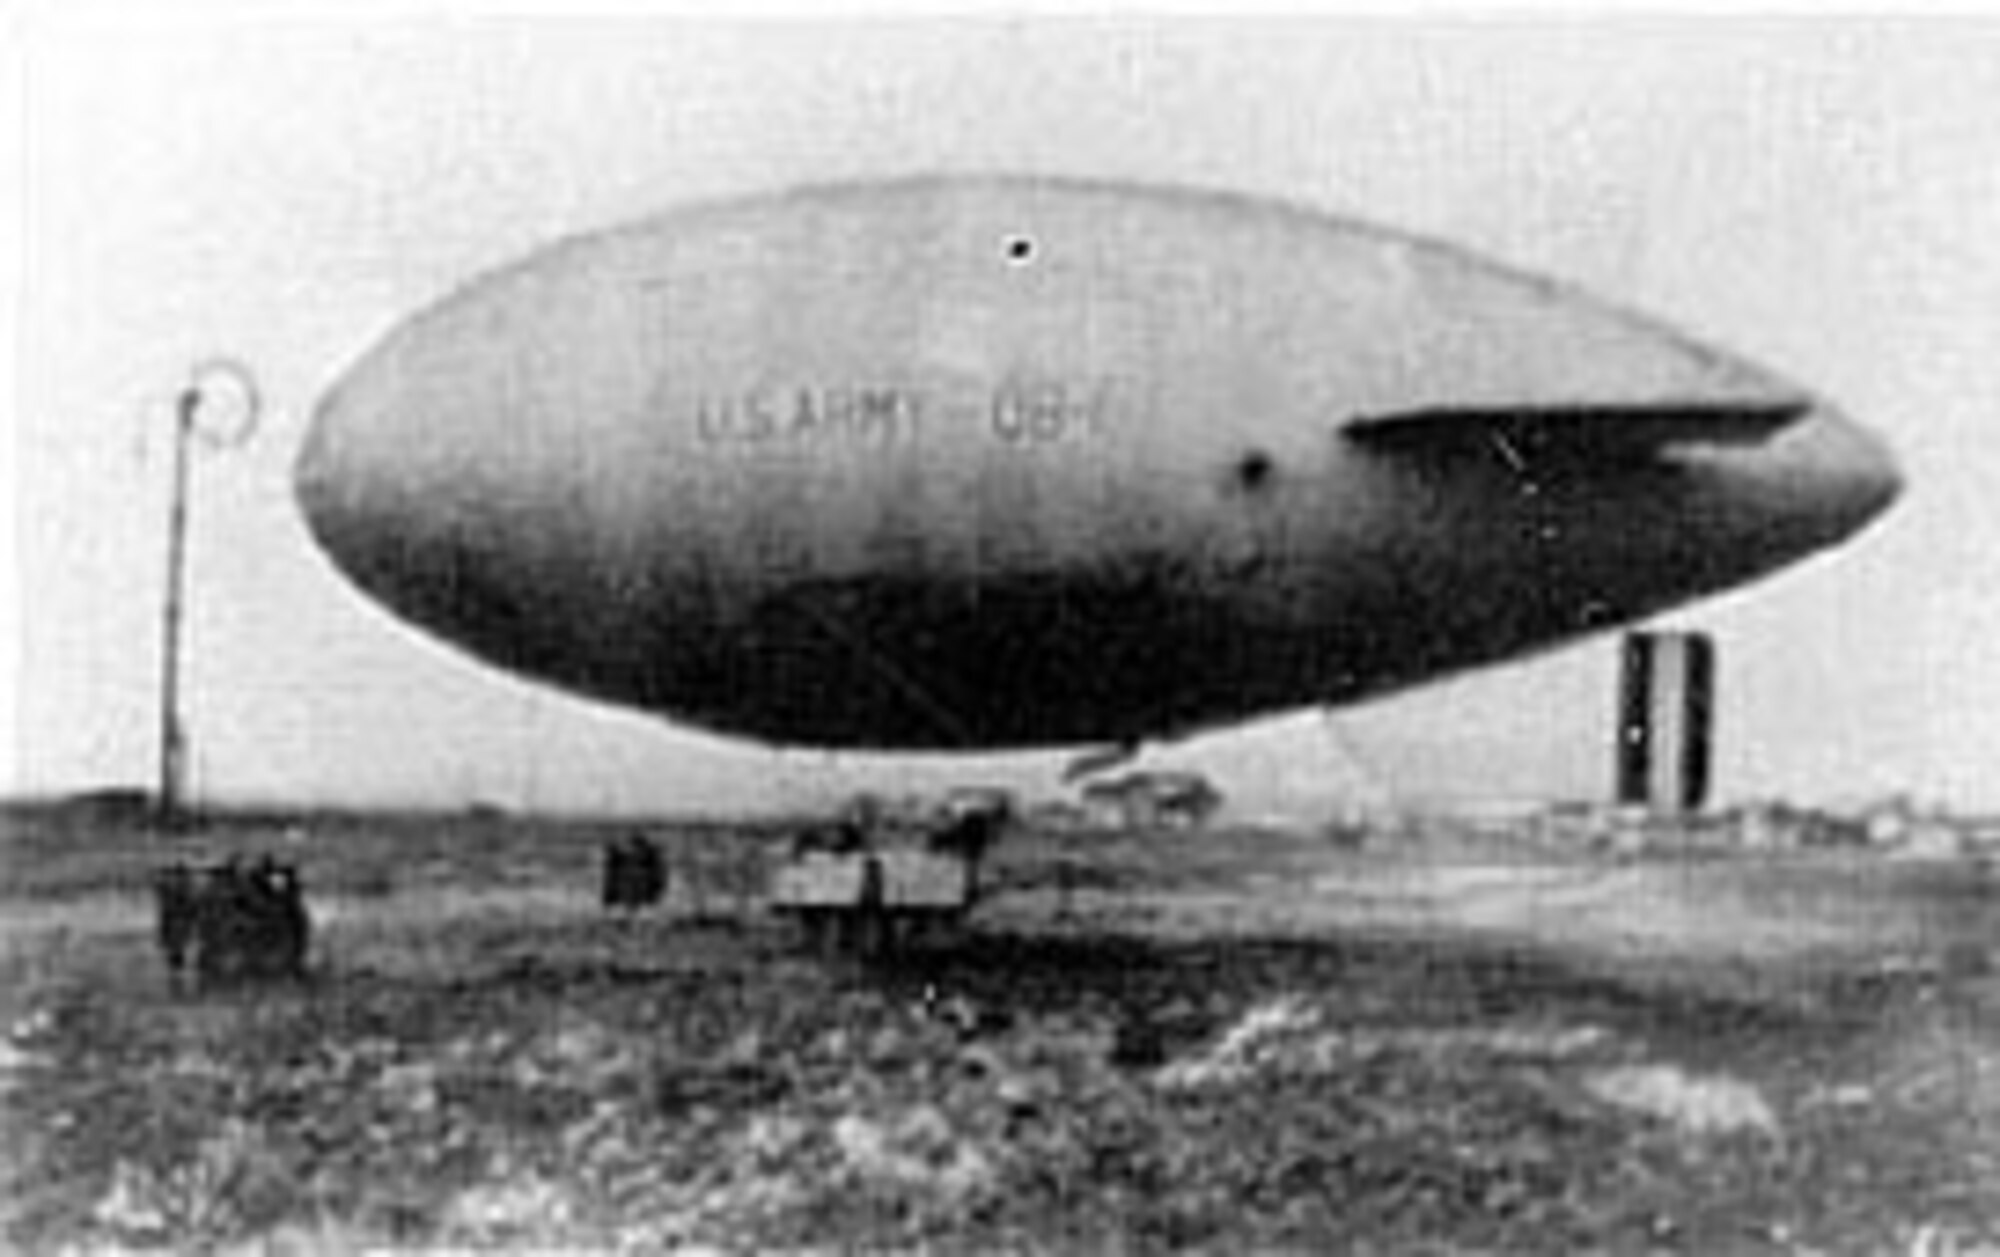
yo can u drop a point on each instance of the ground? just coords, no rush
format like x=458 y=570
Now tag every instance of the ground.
x=1215 y=1042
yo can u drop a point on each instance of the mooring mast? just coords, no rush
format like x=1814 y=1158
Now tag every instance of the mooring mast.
x=223 y=433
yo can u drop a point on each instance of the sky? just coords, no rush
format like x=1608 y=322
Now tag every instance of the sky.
x=1818 y=196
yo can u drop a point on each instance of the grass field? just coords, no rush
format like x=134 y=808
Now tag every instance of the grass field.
x=1213 y=1042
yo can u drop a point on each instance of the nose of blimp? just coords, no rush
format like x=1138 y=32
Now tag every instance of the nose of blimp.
x=317 y=485
x=330 y=482
x=368 y=490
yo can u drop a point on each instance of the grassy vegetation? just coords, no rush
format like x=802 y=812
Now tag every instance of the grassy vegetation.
x=1197 y=1055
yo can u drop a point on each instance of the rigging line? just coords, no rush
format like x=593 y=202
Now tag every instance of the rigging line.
x=906 y=685
x=1508 y=452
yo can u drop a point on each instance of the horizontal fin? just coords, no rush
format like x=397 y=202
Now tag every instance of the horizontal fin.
x=1584 y=433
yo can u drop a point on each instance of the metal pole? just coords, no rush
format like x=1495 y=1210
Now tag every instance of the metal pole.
x=173 y=737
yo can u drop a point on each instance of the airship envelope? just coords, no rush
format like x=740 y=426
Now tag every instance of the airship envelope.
x=968 y=463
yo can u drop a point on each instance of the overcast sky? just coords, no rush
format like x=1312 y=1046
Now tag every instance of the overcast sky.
x=1822 y=198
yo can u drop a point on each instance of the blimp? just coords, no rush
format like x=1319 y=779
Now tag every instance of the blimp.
x=980 y=463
